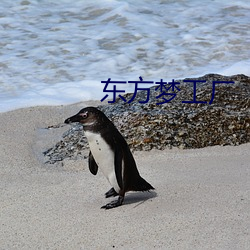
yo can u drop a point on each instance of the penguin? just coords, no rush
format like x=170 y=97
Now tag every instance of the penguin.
x=110 y=152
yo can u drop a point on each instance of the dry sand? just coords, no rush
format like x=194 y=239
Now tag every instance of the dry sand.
x=201 y=201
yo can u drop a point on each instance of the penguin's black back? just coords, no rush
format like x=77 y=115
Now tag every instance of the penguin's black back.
x=132 y=180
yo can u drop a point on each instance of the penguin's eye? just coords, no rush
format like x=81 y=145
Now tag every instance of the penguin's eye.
x=84 y=115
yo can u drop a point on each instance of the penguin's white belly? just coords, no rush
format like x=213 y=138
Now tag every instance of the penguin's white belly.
x=104 y=157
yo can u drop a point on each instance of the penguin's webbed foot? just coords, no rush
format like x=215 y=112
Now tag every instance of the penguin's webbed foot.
x=113 y=204
x=111 y=193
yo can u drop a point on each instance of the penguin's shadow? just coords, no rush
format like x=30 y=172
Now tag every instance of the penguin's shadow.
x=137 y=198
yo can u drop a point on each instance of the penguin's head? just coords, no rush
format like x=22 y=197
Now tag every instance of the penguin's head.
x=88 y=117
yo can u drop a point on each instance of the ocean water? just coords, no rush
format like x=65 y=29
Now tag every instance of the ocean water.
x=58 y=52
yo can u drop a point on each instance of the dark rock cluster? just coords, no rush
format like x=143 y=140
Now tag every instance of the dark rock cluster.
x=225 y=121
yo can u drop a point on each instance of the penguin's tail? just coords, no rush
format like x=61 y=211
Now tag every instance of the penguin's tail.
x=141 y=185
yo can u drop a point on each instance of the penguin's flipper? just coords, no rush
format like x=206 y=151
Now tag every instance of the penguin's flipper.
x=111 y=193
x=118 y=166
x=93 y=167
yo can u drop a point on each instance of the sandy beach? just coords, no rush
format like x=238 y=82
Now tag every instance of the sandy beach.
x=201 y=198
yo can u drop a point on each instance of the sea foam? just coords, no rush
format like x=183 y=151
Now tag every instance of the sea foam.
x=59 y=52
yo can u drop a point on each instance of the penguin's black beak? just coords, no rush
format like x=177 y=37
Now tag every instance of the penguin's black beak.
x=74 y=118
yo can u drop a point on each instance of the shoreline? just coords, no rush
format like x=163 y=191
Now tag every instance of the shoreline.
x=201 y=197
